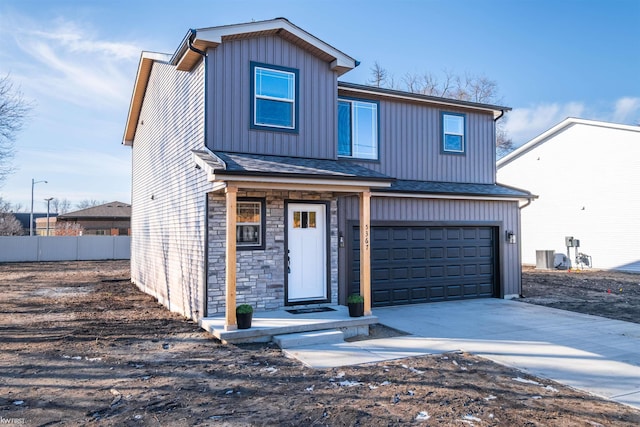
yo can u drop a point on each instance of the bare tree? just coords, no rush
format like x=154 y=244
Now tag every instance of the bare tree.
x=13 y=111
x=378 y=76
x=9 y=224
x=473 y=88
x=90 y=203
x=60 y=206
x=68 y=228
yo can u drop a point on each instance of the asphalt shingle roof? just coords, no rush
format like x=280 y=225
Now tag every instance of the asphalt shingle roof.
x=259 y=164
x=108 y=210
x=455 y=188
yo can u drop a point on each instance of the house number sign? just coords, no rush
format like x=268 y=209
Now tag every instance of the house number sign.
x=366 y=237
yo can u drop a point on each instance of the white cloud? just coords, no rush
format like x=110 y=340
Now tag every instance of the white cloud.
x=627 y=111
x=524 y=124
x=69 y=63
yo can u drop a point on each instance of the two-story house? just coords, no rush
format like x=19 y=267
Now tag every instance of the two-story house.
x=260 y=178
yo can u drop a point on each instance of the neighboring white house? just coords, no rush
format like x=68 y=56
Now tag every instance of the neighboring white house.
x=586 y=174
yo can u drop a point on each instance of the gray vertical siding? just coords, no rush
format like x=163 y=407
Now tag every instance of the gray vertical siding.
x=506 y=213
x=410 y=145
x=229 y=97
x=168 y=193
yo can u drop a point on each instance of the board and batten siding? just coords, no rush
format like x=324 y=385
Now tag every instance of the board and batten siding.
x=586 y=178
x=168 y=221
x=503 y=214
x=410 y=144
x=229 y=100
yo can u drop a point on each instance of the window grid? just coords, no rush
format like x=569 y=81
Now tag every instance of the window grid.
x=266 y=95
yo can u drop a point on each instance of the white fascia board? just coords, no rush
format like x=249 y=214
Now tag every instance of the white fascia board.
x=447 y=197
x=302 y=181
x=156 y=56
x=215 y=35
x=560 y=127
x=142 y=79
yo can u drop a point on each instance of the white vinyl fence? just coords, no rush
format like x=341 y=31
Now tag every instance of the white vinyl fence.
x=64 y=248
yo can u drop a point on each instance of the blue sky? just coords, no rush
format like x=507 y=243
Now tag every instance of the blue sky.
x=77 y=61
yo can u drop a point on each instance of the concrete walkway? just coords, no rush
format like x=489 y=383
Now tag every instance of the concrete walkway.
x=590 y=353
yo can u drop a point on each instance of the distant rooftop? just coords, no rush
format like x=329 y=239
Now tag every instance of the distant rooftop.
x=108 y=210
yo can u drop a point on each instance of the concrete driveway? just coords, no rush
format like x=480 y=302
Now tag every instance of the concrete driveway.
x=590 y=353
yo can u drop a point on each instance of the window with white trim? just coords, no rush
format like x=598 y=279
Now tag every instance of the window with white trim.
x=274 y=97
x=357 y=129
x=453 y=128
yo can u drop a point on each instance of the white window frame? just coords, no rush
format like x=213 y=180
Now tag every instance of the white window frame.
x=446 y=132
x=257 y=96
x=355 y=154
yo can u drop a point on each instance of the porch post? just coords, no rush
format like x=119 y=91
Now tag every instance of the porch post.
x=230 y=323
x=365 y=250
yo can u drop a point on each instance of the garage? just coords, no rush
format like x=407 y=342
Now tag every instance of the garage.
x=420 y=263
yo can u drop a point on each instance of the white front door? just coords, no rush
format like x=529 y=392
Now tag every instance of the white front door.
x=306 y=252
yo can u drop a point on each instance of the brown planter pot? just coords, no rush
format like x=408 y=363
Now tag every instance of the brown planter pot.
x=244 y=320
x=356 y=309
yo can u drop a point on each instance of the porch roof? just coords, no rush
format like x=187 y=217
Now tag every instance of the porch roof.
x=457 y=189
x=243 y=164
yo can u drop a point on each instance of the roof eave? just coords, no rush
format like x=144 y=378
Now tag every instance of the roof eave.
x=206 y=38
x=496 y=110
x=142 y=79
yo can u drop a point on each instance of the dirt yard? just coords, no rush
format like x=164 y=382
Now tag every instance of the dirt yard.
x=80 y=345
x=601 y=293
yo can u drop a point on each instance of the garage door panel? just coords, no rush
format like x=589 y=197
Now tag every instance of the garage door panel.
x=454 y=291
x=453 y=234
x=436 y=253
x=401 y=234
x=453 y=253
x=418 y=253
x=412 y=264
x=400 y=254
x=400 y=273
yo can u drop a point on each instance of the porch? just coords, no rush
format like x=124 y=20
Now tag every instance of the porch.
x=267 y=324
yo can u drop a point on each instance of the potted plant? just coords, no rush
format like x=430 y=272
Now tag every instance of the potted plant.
x=355 y=303
x=244 y=314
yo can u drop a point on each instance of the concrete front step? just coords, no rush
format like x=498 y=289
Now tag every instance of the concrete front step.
x=302 y=339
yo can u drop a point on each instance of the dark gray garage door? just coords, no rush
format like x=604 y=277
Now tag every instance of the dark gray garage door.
x=416 y=264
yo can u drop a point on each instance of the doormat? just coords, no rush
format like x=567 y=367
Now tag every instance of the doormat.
x=309 y=310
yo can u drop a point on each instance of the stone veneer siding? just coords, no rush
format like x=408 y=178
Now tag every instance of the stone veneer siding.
x=260 y=276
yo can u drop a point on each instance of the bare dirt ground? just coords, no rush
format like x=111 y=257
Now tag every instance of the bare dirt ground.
x=601 y=293
x=79 y=344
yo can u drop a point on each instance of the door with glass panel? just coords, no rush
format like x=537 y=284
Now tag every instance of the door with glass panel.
x=306 y=252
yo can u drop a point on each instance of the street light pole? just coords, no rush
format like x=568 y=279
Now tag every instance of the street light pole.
x=33 y=183
x=48 y=200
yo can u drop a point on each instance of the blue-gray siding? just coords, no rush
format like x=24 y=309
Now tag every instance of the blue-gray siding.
x=229 y=98
x=410 y=145
x=504 y=214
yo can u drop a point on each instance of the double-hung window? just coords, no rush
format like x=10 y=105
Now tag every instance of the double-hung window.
x=274 y=102
x=250 y=224
x=453 y=140
x=358 y=129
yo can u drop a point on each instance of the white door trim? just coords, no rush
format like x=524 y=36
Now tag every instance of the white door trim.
x=306 y=252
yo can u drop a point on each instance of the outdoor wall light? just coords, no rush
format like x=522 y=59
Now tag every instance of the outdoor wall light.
x=510 y=236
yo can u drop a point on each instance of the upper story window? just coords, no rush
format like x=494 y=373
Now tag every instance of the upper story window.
x=250 y=224
x=357 y=129
x=453 y=129
x=274 y=97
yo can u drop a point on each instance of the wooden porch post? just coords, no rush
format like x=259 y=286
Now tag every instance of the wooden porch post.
x=365 y=250
x=230 y=323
